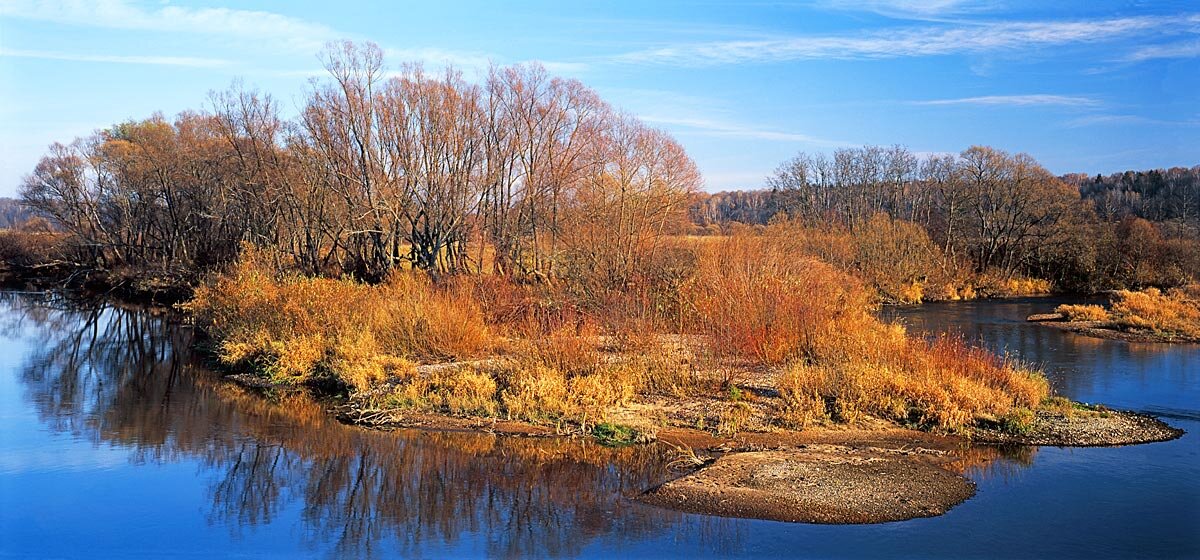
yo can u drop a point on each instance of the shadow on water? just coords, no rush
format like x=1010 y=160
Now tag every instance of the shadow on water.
x=124 y=377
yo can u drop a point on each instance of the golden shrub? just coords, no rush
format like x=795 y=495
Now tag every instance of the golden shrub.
x=1082 y=312
x=569 y=349
x=295 y=328
x=593 y=395
x=535 y=393
x=800 y=388
x=943 y=383
x=467 y=391
x=1025 y=287
x=1174 y=313
x=757 y=302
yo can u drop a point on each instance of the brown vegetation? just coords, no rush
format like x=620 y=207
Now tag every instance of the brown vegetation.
x=296 y=328
x=747 y=309
x=1000 y=224
x=1082 y=312
x=1149 y=315
x=1173 y=314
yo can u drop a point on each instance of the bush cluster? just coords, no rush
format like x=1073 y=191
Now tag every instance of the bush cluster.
x=533 y=353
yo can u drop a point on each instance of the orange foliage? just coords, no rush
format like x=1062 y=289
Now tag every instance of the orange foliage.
x=295 y=328
x=1174 y=313
x=756 y=301
x=1082 y=312
x=944 y=383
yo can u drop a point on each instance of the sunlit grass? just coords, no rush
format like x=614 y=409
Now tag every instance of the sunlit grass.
x=532 y=353
x=1175 y=312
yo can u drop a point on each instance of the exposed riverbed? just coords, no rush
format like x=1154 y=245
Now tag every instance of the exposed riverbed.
x=115 y=443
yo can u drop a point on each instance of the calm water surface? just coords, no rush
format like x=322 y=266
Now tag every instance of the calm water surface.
x=115 y=443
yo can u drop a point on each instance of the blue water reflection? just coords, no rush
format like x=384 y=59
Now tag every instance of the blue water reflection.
x=114 y=443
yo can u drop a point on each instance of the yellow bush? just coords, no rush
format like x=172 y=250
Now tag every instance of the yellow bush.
x=571 y=350
x=425 y=321
x=294 y=328
x=466 y=391
x=1082 y=312
x=944 y=383
x=593 y=395
x=911 y=293
x=535 y=393
x=801 y=388
x=733 y=418
x=1175 y=313
x=756 y=301
x=1025 y=287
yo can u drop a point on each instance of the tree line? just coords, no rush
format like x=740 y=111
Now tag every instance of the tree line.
x=1169 y=196
x=990 y=211
x=13 y=214
x=522 y=174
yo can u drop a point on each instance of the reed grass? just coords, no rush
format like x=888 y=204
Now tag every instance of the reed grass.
x=1174 y=313
x=747 y=305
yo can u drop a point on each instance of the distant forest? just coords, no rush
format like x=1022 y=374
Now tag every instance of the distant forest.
x=1170 y=197
x=13 y=213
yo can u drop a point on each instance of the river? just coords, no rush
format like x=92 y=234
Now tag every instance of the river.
x=116 y=442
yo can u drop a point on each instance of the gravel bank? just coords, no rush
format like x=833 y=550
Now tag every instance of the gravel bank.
x=819 y=484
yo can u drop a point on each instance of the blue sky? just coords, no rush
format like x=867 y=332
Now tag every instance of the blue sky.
x=1092 y=86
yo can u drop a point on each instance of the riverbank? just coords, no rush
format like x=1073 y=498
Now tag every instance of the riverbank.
x=157 y=289
x=1149 y=315
x=1083 y=427
x=820 y=484
x=870 y=471
x=1106 y=330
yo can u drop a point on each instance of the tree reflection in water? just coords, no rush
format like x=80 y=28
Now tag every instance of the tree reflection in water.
x=125 y=377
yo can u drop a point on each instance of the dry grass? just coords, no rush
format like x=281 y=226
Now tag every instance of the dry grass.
x=1013 y=286
x=521 y=390
x=1082 y=312
x=749 y=305
x=1175 y=313
x=839 y=362
x=297 y=328
x=757 y=302
x=944 y=383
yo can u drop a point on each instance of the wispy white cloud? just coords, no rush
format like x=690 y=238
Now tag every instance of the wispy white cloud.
x=912 y=42
x=927 y=10
x=189 y=61
x=260 y=27
x=735 y=130
x=471 y=61
x=1186 y=49
x=1017 y=100
x=265 y=28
